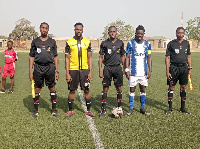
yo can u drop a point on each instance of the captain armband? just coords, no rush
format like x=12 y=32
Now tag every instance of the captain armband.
x=149 y=51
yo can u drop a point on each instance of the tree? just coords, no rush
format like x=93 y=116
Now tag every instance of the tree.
x=192 y=31
x=124 y=32
x=23 y=30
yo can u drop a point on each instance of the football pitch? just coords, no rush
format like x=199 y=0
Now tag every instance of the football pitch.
x=178 y=131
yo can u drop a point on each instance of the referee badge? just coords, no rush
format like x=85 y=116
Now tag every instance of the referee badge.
x=109 y=51
x=177 y=51
x=38 y=50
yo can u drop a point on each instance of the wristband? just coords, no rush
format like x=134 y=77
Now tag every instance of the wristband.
x=126 y=70
x=189 y=68
x=57 y=72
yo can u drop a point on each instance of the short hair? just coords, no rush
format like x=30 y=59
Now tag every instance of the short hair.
x=10 y=42
x=140 y=27
x=44 y=23
x=111 y=27
x=180 y=28
x=78 y=24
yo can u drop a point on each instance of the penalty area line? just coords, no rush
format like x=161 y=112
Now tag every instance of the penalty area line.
x=92 y=127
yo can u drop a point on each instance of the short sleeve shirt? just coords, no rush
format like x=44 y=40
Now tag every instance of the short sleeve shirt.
x=43 y=51
x=10 y=56
x=112 y=52
x=178 y=51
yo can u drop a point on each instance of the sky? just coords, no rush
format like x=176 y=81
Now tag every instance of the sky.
x=159 y=17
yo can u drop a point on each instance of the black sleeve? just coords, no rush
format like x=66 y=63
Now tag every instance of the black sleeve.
x=67 y=48
x=89 y=48
x=168 y=49
x=55 y=49
x=101 y=51
x=188 y=49
x=33 y=49
x=122 y=51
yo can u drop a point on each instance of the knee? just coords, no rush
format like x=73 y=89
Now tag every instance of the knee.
x=171 y=88
x=86 y=91
x=72 y=92
x=119 y=89
x=3 y=78
x=183 y=87
x=132 y=90
x=142 y=89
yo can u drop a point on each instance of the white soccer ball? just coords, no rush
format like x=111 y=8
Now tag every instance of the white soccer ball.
x=117 y=112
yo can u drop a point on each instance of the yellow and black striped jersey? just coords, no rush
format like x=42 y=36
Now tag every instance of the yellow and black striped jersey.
x=78 y=50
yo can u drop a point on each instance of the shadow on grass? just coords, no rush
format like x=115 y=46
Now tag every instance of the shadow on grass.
x=151 y=102
x=7 y=86
x=62 y=103
x=29 y=104
x=111 y=102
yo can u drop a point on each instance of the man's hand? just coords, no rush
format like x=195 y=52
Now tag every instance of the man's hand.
x=169 y=76
x=31 y=76
x=90 y=77
x=127 y=75
x=190 y=73
x=101 y=75
x=68 y=78
x=123 y=72
x=56 y=76
x=148 y=74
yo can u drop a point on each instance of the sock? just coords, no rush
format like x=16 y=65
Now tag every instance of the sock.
x=183 y=98
x=36 y=101
x=119 y=99
x=170 y=97
x=131 y=99
x=88 y=104
x=70 y=104
x=104 y=98
x=142 y=99
x=53 y=99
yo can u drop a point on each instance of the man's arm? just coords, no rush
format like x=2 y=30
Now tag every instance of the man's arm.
x=123 y=63
x=67 y=62
x=89 y=55
x=167 y=63
x=149 y=63
x=189 y=65
x=31 y=63
x=127 y=65
x=100 y=66
x=56 y=67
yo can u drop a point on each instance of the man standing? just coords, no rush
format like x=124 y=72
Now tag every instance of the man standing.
x=78 y=64
x=112 y=55
x=138 y=56
x=178 y=62
x=44 y=53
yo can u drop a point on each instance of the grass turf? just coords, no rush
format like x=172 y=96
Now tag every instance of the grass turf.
x=136 y=131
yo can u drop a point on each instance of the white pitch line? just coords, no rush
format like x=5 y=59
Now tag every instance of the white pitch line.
x=92 y=127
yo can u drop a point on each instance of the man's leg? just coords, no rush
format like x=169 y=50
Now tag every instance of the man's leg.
x=3 y=85
x=104 y=99
x=53 y=95
x=170 y=97
x=119 y=95
x=143 y=99
x=131 y=99
x=88 y=102
x=36 y=102
x=183 y=99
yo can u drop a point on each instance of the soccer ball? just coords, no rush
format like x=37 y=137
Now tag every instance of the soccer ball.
x=117 y=112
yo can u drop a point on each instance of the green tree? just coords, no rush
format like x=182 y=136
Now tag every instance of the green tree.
x=192 y=30
x=23 y=30
x=124 y=32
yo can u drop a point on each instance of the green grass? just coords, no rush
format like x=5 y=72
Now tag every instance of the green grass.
x=158 y=130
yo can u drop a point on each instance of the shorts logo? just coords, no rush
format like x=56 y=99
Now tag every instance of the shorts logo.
x=118 y=50
x=185 y=50
x=180 y=47
x=109 y=51
x=38 y=50
x=79 y=45
x=177 y=51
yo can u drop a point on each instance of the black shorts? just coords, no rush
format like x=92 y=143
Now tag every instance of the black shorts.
x=79 y=76
x=114 y=72
x=42 y=73
x=178 y=73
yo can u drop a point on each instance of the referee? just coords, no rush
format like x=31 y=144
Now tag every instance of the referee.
x=178 y=66
x=78 y=65
x=44 y=57
x=112 y=55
